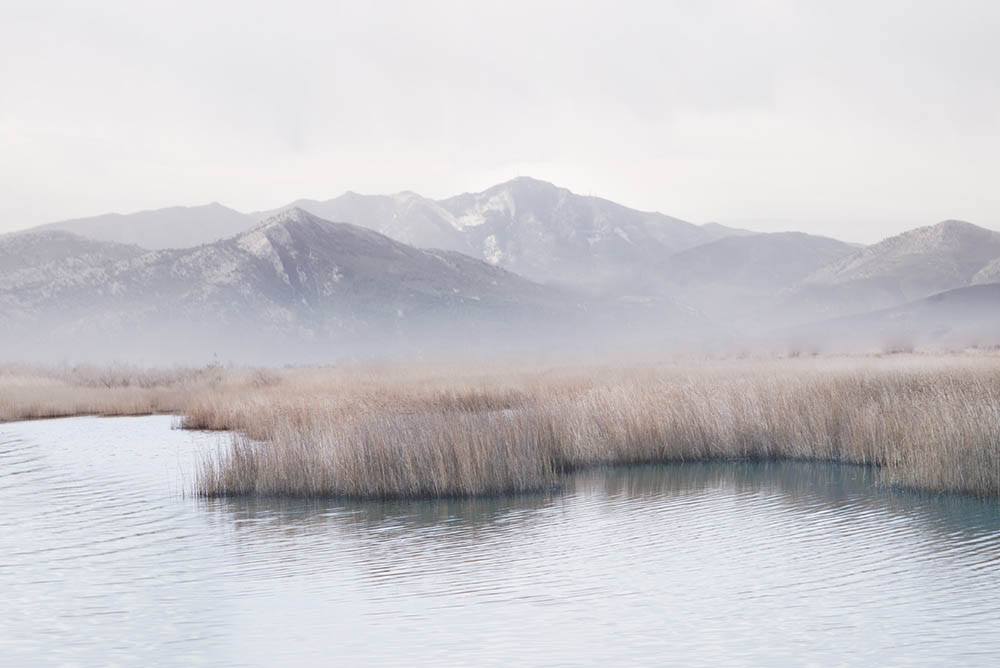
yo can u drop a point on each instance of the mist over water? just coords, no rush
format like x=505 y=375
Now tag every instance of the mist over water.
x=105 y=557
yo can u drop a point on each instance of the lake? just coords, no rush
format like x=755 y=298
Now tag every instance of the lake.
x=106 y=557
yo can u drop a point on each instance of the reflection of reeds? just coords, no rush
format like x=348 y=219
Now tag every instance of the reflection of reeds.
x=818 y=489
x=930 y=422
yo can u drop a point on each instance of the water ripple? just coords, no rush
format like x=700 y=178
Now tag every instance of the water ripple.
x=103 y=559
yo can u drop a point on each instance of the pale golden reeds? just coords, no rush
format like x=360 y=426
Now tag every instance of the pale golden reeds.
x=927 y=422
x=33 y=391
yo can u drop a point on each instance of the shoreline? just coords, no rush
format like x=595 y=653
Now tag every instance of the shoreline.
x=929 y=422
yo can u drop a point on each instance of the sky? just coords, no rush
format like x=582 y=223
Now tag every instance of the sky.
x=852 y=119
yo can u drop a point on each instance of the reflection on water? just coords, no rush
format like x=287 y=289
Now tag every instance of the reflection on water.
x=103 y=559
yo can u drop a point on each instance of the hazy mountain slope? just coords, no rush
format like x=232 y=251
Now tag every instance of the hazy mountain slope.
x=531 y=227
x=300 y=283
x=737 y=277
x=988 y=274
x=53 y=255
x=958 y=318
x=405 y=217
x=297 y=263
x=909 y=266
x=173 y=227
x=718 y=231
x=551 y=234
x=759 y=262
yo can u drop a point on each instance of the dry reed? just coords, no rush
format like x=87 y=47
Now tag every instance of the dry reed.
x=33 y=392
x=930 y=422
x=926 y=421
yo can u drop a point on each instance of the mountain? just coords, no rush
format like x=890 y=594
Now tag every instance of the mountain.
x=405 y=217
x=551 y=234
x=903 y=268
x=295 y=264
x=173 y=227
x=719 y=231
x=530 y=227
x=300 y=285
x=736 y=280
x=988 y=274
x=764 y=262
x=959 y=318
x=49 y=255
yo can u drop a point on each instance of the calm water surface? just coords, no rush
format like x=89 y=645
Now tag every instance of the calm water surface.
x=105 y=558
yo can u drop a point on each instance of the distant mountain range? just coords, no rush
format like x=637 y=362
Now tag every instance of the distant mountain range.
x=924 y=261
x=530 y=227
x=736 y=277
x=295 y=280
x=49 y=255
x=173 y=227
x=522 y=261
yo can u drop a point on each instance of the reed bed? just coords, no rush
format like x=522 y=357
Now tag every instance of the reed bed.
x=420 y=430
x=929 y=422
x=30 y=392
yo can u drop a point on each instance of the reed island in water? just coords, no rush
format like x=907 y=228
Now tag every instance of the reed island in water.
x=923 y=421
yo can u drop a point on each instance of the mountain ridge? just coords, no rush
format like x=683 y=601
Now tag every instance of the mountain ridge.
x=296 y=278
x=908 y=266
x=532 y=227
x=158 y=229
x=516 y=250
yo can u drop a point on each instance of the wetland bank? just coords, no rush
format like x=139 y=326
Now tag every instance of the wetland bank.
x=421 y=430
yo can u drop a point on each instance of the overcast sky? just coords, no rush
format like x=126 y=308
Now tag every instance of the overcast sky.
x=856 y=120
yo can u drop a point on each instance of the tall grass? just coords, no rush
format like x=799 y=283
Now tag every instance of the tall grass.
x=33 y=392
x=927 y=422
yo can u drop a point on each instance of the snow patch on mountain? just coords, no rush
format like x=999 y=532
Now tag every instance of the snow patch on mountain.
x=500 y=203
x=988 y=274
x=491 y=250
x=258 y=243
x=623 y=234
